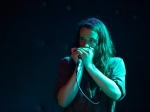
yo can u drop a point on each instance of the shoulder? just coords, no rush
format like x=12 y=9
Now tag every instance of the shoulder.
x=66 y=58
x=67 y=61
x=115 y=60
x=116 y=63
x=66 y=66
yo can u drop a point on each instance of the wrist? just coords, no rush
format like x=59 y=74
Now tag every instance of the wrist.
x=90 y=66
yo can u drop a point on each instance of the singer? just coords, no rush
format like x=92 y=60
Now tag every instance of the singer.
x=101 y=78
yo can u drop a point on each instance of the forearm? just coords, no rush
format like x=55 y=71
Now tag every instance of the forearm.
x=68 y=92
x=108 y=86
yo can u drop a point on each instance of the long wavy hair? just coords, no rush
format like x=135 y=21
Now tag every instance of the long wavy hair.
x=104 y=48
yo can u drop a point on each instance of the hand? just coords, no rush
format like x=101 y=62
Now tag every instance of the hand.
x=86 y=54
x=74 y=55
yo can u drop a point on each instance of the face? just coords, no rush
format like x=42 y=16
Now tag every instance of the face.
x=88 y=38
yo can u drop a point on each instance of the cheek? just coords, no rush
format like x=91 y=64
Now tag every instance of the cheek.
x=81 y=43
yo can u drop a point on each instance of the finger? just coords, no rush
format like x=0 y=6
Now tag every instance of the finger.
x=81 y=51
x=87 y=50
x=91 y=48
x=75 y=52
x=73 y=49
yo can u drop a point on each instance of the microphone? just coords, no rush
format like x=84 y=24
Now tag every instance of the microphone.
x=79 y=66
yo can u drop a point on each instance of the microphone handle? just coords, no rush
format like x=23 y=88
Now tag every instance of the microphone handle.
x=79 y=65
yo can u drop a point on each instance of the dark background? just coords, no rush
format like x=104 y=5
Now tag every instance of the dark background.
x=36 y=34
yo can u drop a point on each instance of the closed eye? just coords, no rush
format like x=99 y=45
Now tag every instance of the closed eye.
x=93 y=40
x=82 y=39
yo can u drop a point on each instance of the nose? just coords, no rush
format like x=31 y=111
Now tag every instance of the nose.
x=86 y=45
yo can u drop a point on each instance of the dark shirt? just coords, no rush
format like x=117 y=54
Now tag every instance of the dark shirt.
x=80 y=103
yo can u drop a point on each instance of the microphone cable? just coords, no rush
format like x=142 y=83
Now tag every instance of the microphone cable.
x=78 y=70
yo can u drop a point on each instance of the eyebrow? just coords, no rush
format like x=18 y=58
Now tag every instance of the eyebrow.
x=89 y=37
